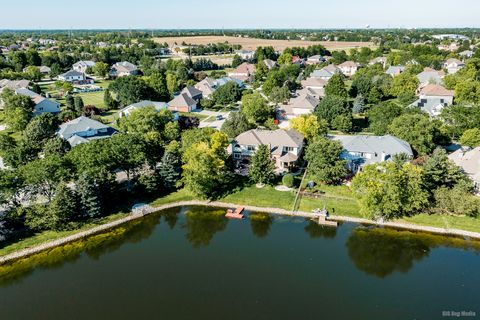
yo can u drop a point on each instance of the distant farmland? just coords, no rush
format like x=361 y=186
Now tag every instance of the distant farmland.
x=252 y=44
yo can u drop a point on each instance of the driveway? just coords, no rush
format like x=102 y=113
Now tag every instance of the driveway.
x=211 y=120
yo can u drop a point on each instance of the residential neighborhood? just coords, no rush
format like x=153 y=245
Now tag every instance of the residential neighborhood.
x=267 y=140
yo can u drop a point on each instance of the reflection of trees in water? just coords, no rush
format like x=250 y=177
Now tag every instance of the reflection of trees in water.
x=380 y=252
x=202 y=223
x=260 y=223
x=315 y=230
x=94 y=246
x=171 y=218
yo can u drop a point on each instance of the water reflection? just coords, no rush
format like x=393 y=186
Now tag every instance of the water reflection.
x=202 y=223
x=314 y=230
x=260 y=223
x=380 y=252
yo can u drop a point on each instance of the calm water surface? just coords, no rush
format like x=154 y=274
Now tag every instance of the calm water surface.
x=191 y=263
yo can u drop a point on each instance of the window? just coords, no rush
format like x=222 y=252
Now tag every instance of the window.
x=288 y=149
x=236 y=155
x=251 y=148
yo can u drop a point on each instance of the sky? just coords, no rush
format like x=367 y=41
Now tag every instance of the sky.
x=243 y=14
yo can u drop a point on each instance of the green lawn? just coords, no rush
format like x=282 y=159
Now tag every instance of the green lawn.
x=444 y=221
x=92 y=98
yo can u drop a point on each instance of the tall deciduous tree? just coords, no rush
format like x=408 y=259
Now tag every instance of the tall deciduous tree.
x=389 y=190
x=309 y=126
x=255 y=108
x=336 y=87
x=324 y=163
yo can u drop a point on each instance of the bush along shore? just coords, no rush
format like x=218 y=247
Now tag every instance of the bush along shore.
x=26 y=252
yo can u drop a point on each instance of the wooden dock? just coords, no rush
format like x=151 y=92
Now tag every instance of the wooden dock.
x=235 y=214
x=323 y=221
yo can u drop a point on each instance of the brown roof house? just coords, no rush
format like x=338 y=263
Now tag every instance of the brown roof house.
x=349 y=68
x=244 y=72
x=182 y=103
x=436 y=91
x=286 y=146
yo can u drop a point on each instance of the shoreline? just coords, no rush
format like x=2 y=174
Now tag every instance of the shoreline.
x=23 y=253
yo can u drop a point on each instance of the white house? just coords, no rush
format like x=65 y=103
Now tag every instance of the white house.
x=349 y=68
x=42 y=105
x=82 y=66
x=432 y=106
x=436 y=91
x=453 y=65
x=285 y=146
x=72 y=76
x=245 y=54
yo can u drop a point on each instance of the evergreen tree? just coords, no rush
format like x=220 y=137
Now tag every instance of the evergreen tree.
x=108 y=100
x=70 y=102
x=170 y=169
x=89 y=196
x=262 y=167
x=358 y=105
x=237 y=60
x=64 y=207
x=78 y=104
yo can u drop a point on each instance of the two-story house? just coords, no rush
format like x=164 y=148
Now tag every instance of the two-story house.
x=453 y=65
x=123 y=69
x=82 y=66
x=286 y=146
x=42 y=104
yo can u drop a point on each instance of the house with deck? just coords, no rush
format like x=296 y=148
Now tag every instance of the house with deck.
x=361 y=150
x=286 y=146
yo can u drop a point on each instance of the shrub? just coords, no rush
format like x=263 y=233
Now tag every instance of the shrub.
x=287 y=180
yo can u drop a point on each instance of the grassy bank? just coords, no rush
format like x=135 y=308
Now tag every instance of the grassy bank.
x=50 y=235
x=338 y=200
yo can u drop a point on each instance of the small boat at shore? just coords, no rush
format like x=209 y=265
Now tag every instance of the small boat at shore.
x=235 y=213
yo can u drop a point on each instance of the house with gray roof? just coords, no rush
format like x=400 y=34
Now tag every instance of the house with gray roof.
x=83 y=129
x=122 y=69
x=270 y=64
x=42 y=105
x=326 y=73
x=125 y=112
x=361 y=150
x=395 y=70
x=72 y=76
x=82 y=66
x=193 y=93
x=286 y=146
x=13 y=84
x=432 y=106
x=429 y=75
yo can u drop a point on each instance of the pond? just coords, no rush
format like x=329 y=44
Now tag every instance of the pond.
x=192 y=263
